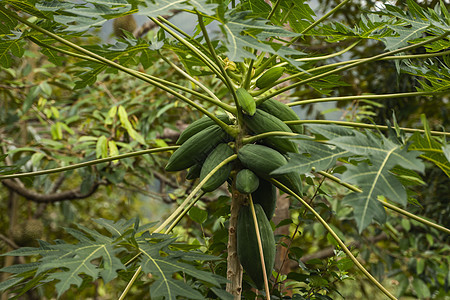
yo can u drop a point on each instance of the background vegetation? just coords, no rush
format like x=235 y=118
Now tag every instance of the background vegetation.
x=59 y=109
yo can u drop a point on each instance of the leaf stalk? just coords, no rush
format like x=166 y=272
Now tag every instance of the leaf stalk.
x=88 y=163
x=347 y=98
x=260 y=248
x=338 y=240
x=362 y=125
x=136 y=74
x=354 y=64
x=386 y=204
x=191 y=47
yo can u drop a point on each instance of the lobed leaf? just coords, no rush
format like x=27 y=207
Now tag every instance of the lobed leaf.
x=161 y=262
x=375 y=179
x=320 y=157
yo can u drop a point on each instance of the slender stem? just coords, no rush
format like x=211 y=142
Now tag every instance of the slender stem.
x=132 y=259
x=362 y=125
x=248 y=76
x=417 y=56
x=180 y=216
x=214 y=99
x=261 y=253
x=259 y=60
x=136 y=74
x=274 y=8
x=382 y=96
x=398 y=57
x=393 y=57
x=254 y=138
x=176 y=215
x=234 y=76
x=193 y=193
x=311 y=26
x=264 y=66
x=335 y=179
x=197 y=52
x=413 y=216
x=356 y=63
x=227 y=79
x=155 y=78
x=130 y=283
x=315 y=58
x=194 y=41
x=338 y=240
x=88 y=163
x=386 y=204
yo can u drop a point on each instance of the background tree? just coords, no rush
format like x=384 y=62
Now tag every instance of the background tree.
x=50 y=121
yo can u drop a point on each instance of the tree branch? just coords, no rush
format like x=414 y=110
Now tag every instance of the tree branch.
x=329 y=251
x=9 y=242
x=74 y=194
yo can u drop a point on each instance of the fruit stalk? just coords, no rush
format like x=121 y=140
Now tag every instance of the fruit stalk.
x=260 y=247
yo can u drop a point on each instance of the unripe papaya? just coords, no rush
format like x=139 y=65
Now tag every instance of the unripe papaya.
x=246 y=181
x=199 y=125
x=194 y=172
x=262 y=122
x=266 y=196
x=282 y=112
x=218 y=155
x=269 y=77
x=196 y=148
x=247 y=244
x=264 y=160
x=246 y=101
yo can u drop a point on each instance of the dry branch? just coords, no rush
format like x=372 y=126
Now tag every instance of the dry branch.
x=73 y=194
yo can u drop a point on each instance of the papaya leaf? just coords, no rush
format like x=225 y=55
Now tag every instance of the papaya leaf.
x=74 y=260
x=12 y=44
x=242 y=32
x=162 y=263
x=375 y=179
x=371 y=26
x=328 y=84
x=81 y=16
x=7 y=23
x=446 y=151
x=97 y=256
x=7 y=284
x=26 y=6
x=412 y=24
x=66 y=262
x=224 y=295
x=257 y=7
x=320 y=157
x=22 y=268
x=432 y=149
x=300 y=14
x=435 y=75
x=155 y=8
x=330 y=131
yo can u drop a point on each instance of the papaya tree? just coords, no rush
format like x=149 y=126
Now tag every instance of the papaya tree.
x=247 y=147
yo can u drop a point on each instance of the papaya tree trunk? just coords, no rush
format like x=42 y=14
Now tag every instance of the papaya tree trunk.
x=234 y=268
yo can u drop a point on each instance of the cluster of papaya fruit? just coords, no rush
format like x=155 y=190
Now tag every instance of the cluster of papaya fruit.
x=205 y=145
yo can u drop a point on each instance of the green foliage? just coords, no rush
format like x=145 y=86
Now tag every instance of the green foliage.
x=69 y=102
x=97 y=255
